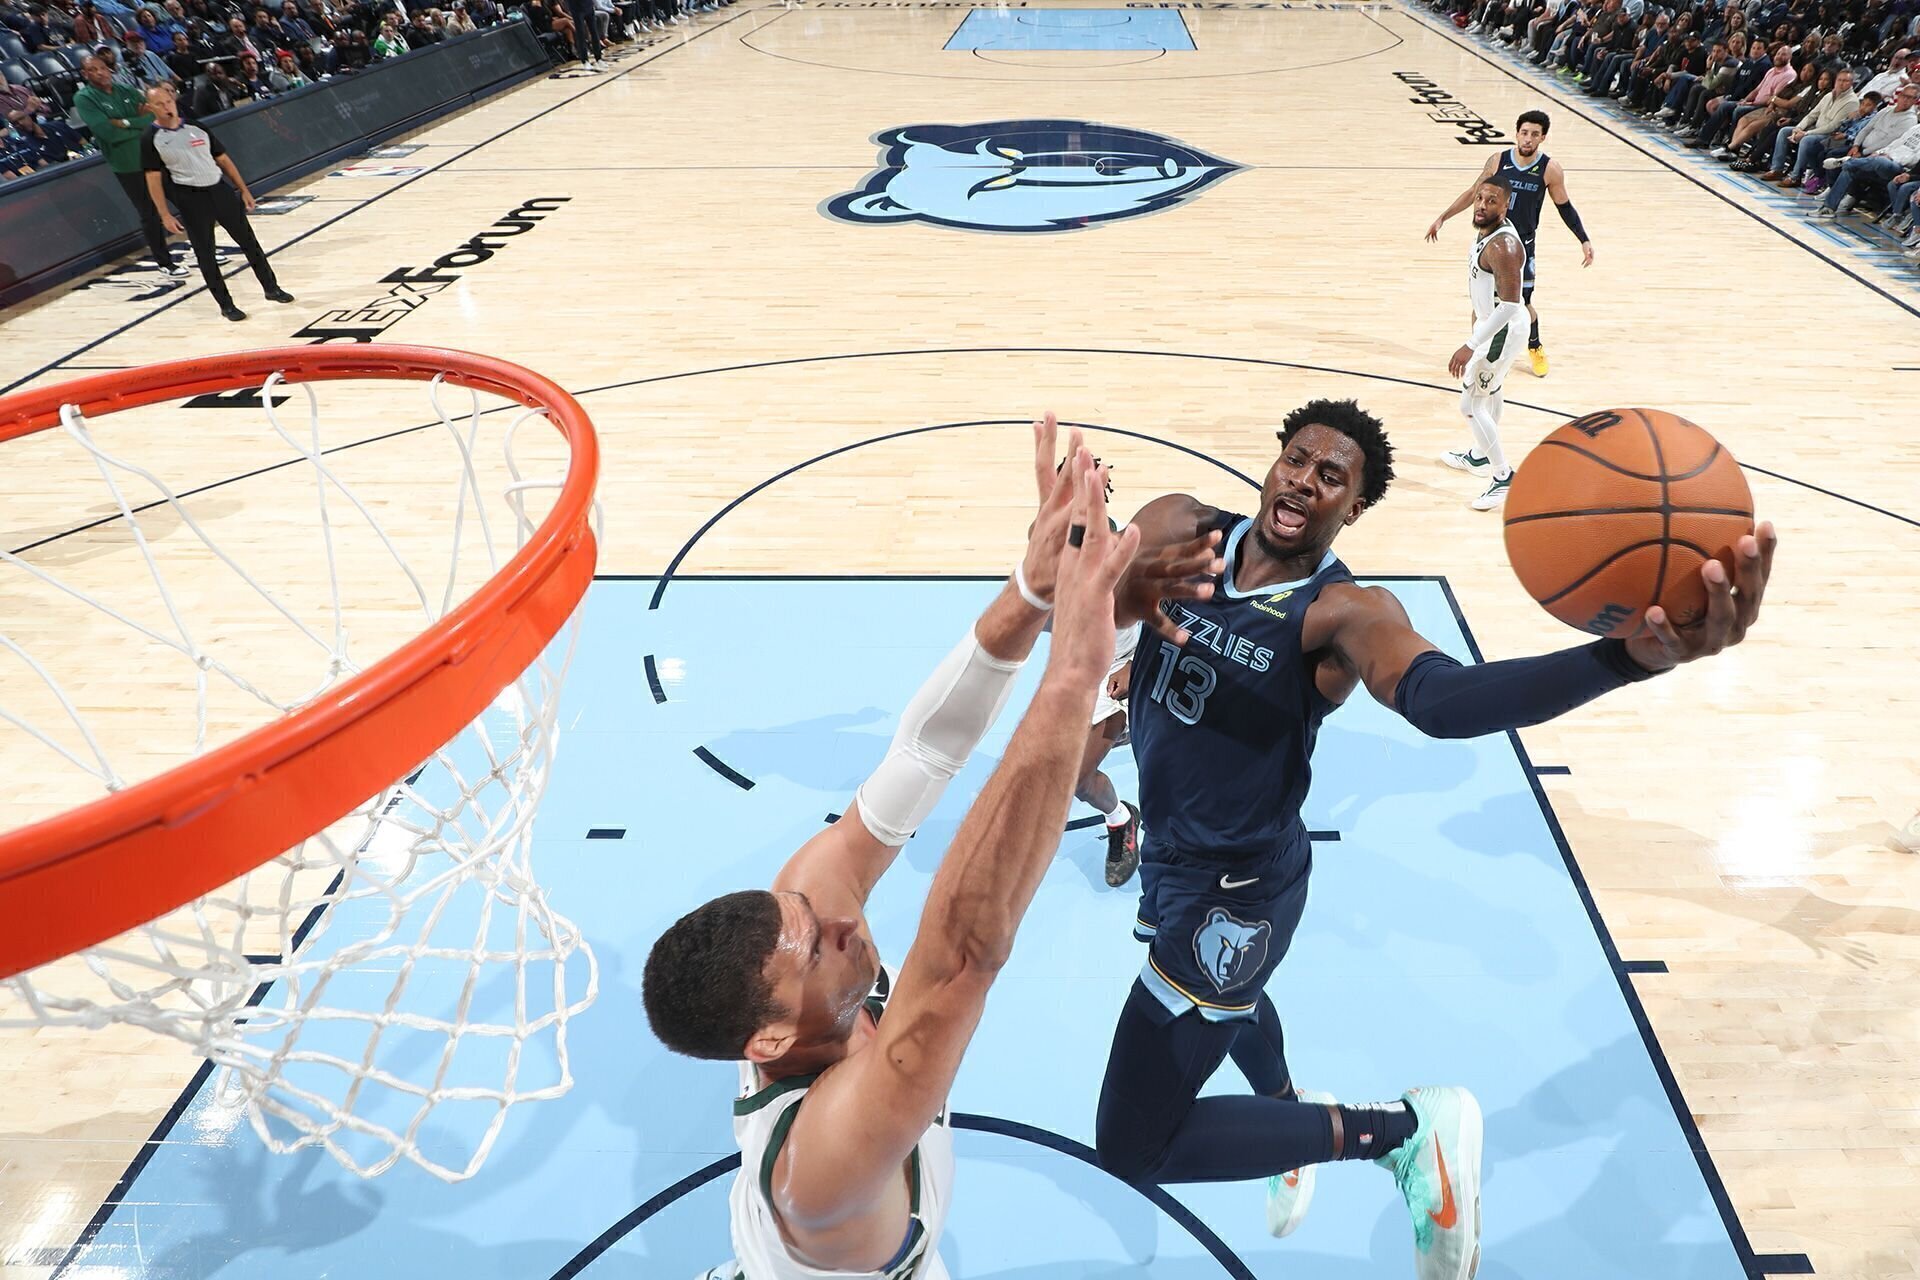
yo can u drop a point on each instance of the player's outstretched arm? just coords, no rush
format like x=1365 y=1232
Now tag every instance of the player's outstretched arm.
x=862 y=1119
x=1369 y=633
x=1464 y=199
x=945 y=720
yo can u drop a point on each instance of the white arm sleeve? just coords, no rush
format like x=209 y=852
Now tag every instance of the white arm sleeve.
x=1503 y=314
x=938 y=731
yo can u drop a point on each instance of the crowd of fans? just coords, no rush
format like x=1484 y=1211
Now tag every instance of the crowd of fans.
x=217 y=54
x=1817 y=96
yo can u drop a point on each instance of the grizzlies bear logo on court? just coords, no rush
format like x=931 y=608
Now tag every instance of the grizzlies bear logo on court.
x=1026 y=175
x=1229 y=951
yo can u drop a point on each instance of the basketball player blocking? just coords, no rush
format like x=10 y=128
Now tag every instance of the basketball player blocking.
x=847 y=1164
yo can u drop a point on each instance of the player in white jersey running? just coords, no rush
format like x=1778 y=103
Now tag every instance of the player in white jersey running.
x=1494 y=267
x=847 y=1166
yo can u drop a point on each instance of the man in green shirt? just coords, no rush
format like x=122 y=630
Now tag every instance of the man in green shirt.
x=118 y=117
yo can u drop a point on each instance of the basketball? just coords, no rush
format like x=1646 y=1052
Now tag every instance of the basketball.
x=1617 y=511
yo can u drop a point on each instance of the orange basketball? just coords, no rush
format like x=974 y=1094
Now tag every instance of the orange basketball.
x=1616 y=512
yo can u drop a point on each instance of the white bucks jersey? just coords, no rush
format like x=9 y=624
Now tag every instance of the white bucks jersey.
x=1480 y=283
x=763 y=1115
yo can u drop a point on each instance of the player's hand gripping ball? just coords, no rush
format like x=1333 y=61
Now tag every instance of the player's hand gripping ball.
x=1617 y=511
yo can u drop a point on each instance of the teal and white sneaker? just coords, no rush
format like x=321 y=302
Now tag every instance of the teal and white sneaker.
x=1496 y=494
x=1438 y=1170
x=1467 y=460
x=1289 y=1193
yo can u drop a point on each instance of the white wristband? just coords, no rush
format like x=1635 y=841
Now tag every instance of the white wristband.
x=1026 y=592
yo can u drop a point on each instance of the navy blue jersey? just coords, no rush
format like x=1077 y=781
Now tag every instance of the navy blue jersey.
x=1223 y=729
x=1529 y=187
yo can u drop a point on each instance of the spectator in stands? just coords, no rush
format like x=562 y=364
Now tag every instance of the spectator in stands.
x=1817 y=134
x=297 y=29
x=286 y=75
x=391 y=42
x=1784 y=107
x=40 y=127
x=1685 y=56
x=1724 y=113
x=89 y=27
x=1888 y=145
x=267 y=34
x=459 y=22
x=1616 y=75
x=1894 y=76
x=187 y=164
x=218 y=91
x=309 y=64
x=147 y=23
x=18 y=156
x=419 y=33
x=353 y=53
x=118 y=116
x=145 y=66
x=236 y=41
x=34 y=31
x=1704 y=100
x=483 y=12
x=252 y=79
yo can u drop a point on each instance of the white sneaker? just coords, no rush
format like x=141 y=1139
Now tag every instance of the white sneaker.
x=728 y=1270
x=1823 y=212
x=1468 y=461
x=1720 y=153
x=1438 y=1171
x=1908 y=838
x=1289 y=1193
x=1495 y=495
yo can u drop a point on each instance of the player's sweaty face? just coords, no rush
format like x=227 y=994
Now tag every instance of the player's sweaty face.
x=1310 y=491
x=1530 y=136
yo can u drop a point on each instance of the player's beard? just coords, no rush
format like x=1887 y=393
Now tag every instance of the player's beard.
x=1269 y=546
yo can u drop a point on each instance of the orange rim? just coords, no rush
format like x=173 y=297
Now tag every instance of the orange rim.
x=83 y=876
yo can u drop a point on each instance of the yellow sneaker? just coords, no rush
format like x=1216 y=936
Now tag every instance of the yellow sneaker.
x=1538 y=357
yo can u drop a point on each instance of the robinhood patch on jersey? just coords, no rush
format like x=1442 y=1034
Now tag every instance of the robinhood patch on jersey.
x=1026 y=175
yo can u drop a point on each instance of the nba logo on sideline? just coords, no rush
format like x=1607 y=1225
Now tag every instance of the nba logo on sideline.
x=1026 y=175
x=1229 y=951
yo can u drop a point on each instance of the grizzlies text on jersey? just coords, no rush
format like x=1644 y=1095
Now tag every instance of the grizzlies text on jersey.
x=1224 y=728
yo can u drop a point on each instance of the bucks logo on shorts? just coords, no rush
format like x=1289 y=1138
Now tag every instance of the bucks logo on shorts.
x=1229 y=951
x=1026 y=175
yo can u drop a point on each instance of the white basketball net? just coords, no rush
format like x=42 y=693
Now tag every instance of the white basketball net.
x=390 y=986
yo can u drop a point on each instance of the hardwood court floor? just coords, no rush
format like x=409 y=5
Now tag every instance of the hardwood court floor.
x=1733 y=821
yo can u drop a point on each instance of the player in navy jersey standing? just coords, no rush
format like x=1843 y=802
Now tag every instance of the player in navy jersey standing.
x=1532 y=175
x=1223 y=728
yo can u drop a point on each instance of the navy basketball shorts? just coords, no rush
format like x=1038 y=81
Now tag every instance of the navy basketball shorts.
x=1216 y=930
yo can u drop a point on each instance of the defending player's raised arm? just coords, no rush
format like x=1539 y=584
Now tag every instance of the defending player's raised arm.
x=1563 y=205
x=1464 y=199
x=943 y=723
x=863 y=1118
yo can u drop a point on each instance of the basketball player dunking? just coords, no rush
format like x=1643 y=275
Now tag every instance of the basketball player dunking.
x=846 y=1159
x=1223 y=728
x=1532 y=176
x=1494 y=264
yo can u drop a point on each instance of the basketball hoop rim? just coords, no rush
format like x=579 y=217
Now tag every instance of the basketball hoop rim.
x=78 y=878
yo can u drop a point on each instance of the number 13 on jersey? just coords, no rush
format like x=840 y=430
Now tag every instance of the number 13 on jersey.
x=1187 y=699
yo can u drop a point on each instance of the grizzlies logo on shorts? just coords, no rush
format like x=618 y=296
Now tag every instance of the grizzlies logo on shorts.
x=1216 y=930
x=1230 y=951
